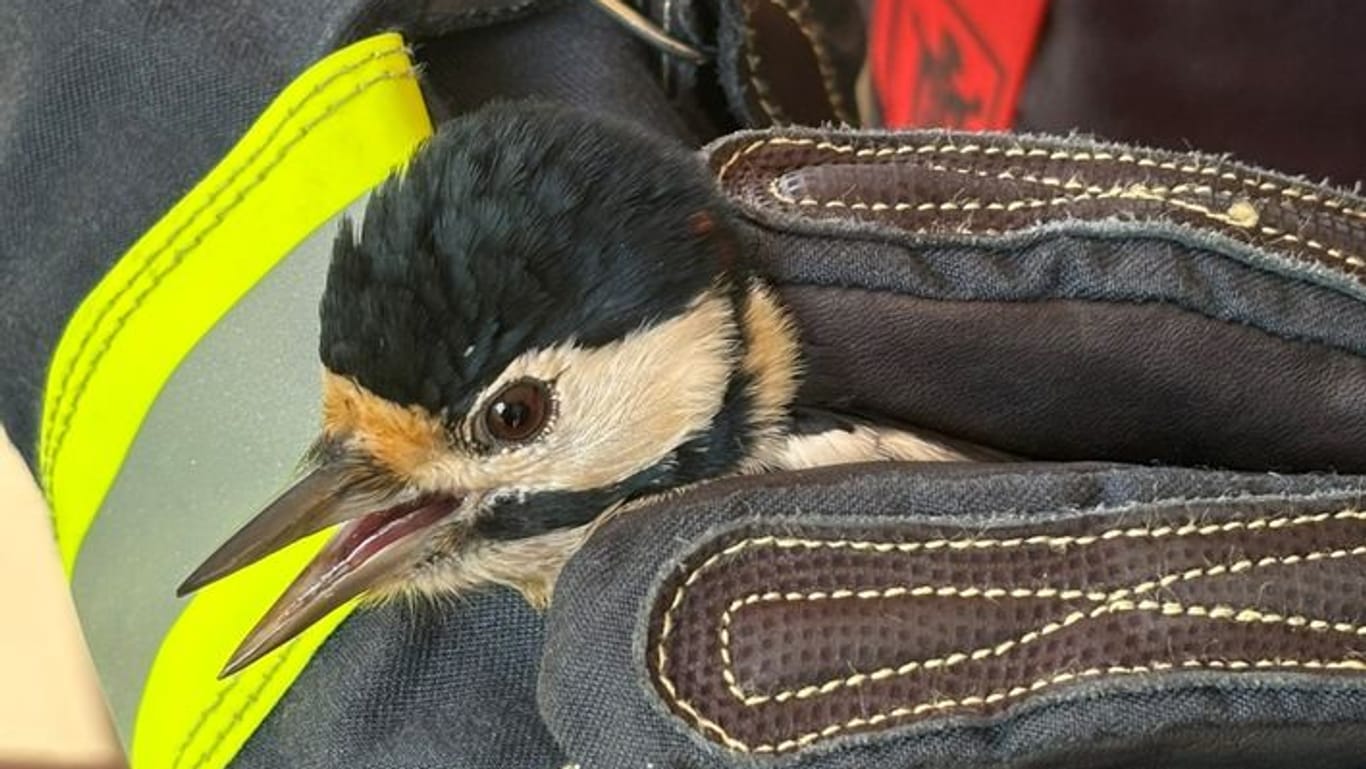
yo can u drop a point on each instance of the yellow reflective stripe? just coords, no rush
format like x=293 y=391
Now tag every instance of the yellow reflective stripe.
x=331 y=135
x=187 y=719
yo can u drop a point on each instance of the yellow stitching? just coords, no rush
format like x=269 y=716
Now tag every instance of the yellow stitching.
x=1046 y=181
x=275 y=133
x=662 y=658
x=1185 y=530
x=1092 y=193
x=735 y=157
x=1335 y=205
x=1336 y=253
x=179 y=256
x=1115 y=601
x=217 y=702
x=800 y=12
x=772 y=110
x=1188 y=169
x=1001 y=695
x=242 y=707
x=1240 y=213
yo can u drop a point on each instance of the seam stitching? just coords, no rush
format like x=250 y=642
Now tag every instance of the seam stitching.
x=60 y=399
x=1112 y=602
x=1063 y=541
x=1000 y=695
x=63 y=423
x=1130 y=192
x=1190 y=529
x=1240 y=213
x=241 y=711
x=756 y=81
x=1335 y=205
x=800 y=13
x=203 y=719
x=1244 y=219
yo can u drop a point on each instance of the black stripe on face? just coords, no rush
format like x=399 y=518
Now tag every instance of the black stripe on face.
x=714 y=453
x=549 y=511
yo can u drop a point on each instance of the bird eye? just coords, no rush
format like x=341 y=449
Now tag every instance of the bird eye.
x=519 y=412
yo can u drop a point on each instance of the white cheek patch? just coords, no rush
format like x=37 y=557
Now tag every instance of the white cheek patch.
x=864 y=443
x=620 y=408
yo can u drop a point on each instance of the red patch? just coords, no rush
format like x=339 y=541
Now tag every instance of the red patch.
x=952 y=63
x=700 y=223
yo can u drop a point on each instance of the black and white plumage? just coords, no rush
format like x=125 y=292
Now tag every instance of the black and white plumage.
x=546 y=316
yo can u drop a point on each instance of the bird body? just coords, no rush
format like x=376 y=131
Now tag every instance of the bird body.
x=545 y=317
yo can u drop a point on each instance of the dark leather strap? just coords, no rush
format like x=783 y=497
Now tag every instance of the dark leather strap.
x=928 y=182
x=775 y=638
x=791 y=61
x=1065 y=299
x=948 y=616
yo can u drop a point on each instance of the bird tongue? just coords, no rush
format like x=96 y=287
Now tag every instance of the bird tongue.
x=359 y=540
x=362 y=553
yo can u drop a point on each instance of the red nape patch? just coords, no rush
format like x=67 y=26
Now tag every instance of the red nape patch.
x=951 y=63
x=701 y=224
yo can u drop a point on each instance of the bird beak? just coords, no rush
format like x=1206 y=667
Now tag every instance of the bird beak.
x=373 y=545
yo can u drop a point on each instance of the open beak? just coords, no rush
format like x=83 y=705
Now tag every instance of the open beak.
x=374 y=544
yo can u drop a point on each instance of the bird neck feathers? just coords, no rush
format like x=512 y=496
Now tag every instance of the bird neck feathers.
x=772 y=367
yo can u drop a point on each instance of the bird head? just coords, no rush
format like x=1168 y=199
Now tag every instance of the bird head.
x=543 y=317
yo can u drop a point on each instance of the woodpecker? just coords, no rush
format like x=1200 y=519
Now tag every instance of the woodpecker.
x=544 y=318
